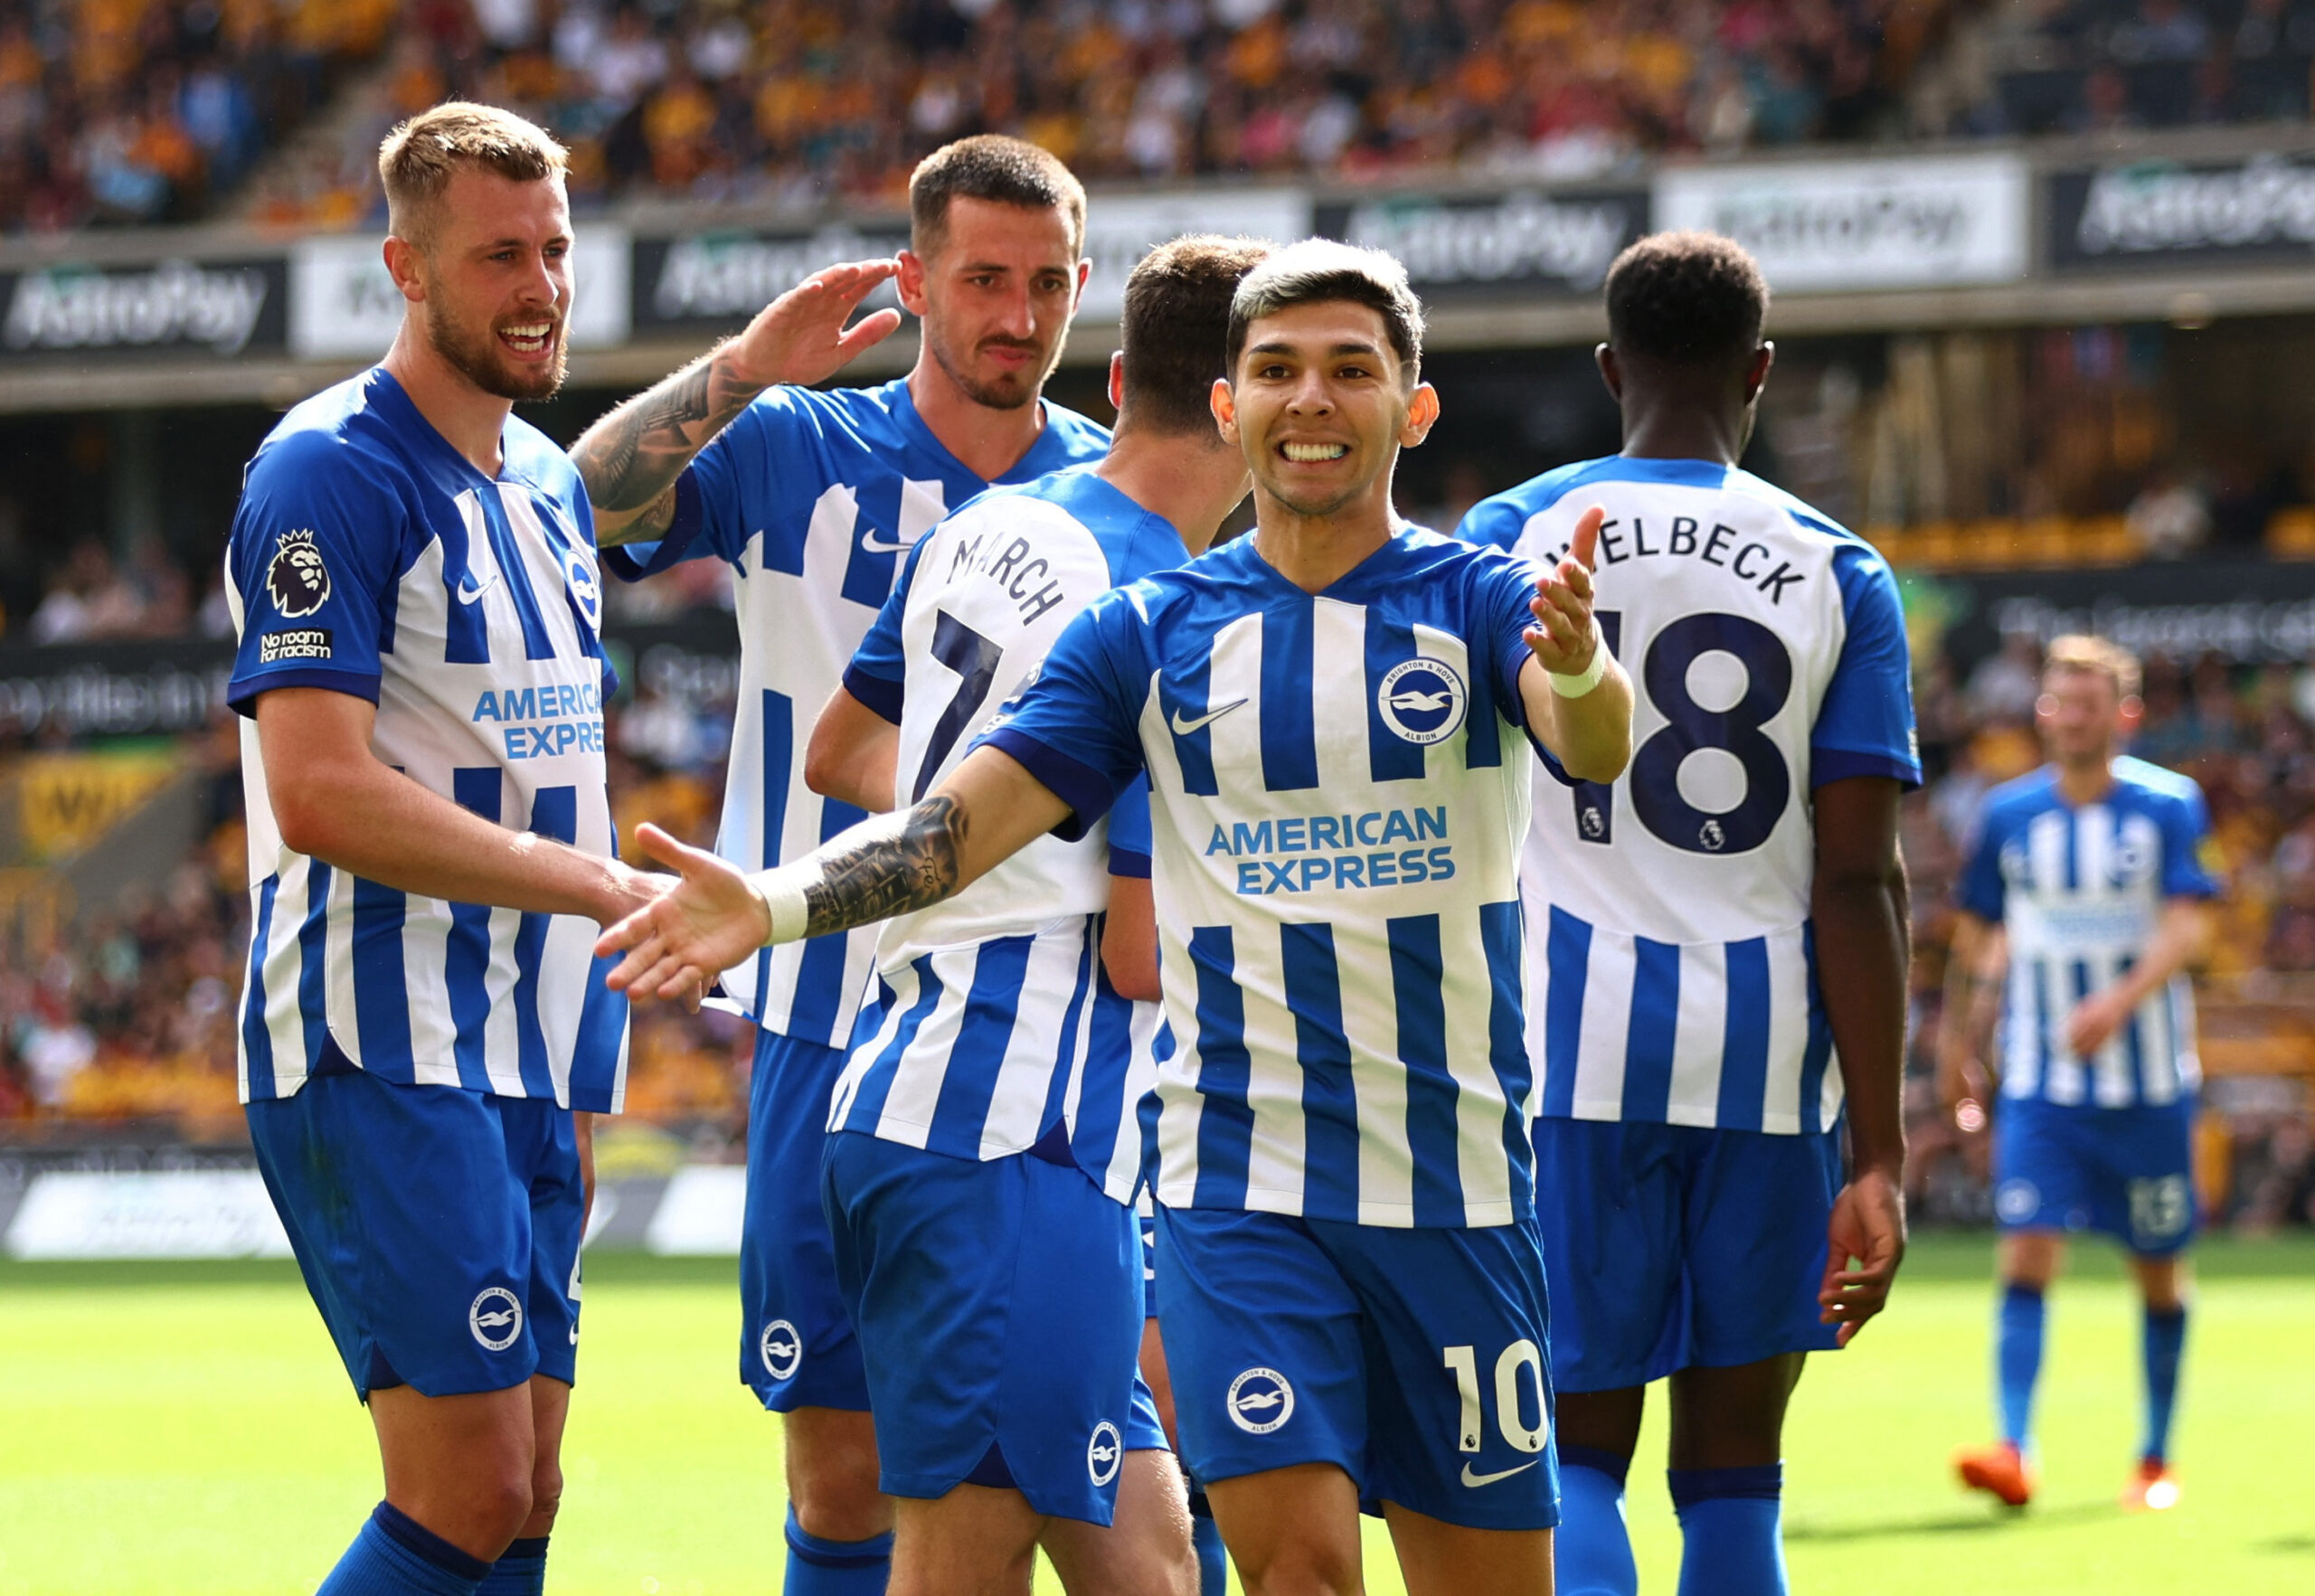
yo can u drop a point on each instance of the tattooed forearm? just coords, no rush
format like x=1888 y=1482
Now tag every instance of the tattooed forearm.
x=911 y=867
x=630 y=458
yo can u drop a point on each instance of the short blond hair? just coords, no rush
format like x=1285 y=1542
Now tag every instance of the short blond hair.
x=418 y=157
x=2078 y=651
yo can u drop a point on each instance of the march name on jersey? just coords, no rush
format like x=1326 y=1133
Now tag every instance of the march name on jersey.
x=2080 y=892
x=369 y=557
x=1348 y=1047
x=812 y=498
x=998 y=1025
x=1672 y=969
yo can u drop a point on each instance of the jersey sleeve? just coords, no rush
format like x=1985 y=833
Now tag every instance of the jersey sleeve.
x=1130 y=846
x=1492 y=524
x=1981 y=888
x=2185 y=840
x=1865 y=723
x=766 y=445
x=314 y=554
x=878 y=674
x=1075 y=724
x=1502 y=589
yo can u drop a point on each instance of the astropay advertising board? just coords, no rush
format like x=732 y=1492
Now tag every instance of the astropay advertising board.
x=344 y=306
x=1826 y=226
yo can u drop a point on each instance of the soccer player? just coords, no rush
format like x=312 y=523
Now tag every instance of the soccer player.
x=413 y=581
x=813 y=498
x=1329 y=713
x=987 y=1147
x=1716 y=942
x=2086 y=875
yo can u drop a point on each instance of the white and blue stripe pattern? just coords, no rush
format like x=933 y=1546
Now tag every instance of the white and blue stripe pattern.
x=1339 y=786
x=813 y=498
x=466 y=607
x=2080 y=892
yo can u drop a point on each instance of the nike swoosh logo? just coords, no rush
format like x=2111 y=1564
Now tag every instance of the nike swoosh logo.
x=876 y=544
x=1476 y=1480
x=1183 y=728
x=469 y=591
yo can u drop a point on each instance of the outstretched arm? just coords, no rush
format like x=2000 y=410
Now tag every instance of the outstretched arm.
x=987 y=811
x=630 y=458
x=1587 y=727
x=1860 y=902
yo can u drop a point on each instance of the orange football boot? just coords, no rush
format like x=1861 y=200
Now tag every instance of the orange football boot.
x=1999 y=1470
x=2154 y=1488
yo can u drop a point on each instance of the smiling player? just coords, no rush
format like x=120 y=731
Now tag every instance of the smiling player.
x=1330 y=715
x=412 y=578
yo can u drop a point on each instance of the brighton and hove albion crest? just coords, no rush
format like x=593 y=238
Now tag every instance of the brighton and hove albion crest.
x=1421 y=700
x=297 y=581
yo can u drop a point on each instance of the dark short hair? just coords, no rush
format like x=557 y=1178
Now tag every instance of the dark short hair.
x=995 y=167
x=1318 y=270
x=1689 y=297
x=1176 y=328
x=416 y=161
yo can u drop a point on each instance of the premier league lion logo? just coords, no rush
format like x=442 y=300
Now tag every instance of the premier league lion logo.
x=298 y=581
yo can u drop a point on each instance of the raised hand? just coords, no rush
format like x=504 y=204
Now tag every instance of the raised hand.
x=801 y=337
x=678 y=944
x=1564 y=635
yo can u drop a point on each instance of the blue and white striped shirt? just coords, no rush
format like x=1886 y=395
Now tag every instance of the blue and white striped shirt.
x=1672 y=970
x=812 y=498
x=370 y=558
x=1338 y=784
x=2080 y=892
x=1000 y=1030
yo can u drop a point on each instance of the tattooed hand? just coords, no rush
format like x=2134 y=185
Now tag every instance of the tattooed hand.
x=630 y=458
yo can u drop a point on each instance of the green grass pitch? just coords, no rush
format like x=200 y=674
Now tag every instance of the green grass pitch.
x=185 y=1430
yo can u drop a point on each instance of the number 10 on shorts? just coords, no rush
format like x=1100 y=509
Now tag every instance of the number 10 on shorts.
x=1511 y=1395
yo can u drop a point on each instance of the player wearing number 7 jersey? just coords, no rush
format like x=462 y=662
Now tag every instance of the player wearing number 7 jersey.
x=1715 y=941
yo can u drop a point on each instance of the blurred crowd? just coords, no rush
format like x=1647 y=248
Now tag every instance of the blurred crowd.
x=2093 y=66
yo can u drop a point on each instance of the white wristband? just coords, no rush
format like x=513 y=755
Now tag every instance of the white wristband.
x=1584 y=680
x=781 y=891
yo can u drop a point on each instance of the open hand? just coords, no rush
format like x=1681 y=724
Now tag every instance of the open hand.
x=2094 y=1021
x=710 y=920
x=1564 y=635
x=800 y=337
x=1868 y=1224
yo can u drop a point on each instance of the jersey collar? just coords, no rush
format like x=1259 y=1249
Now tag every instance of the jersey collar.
x=1047 y=454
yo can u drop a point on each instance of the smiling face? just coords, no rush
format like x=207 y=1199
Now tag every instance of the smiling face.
x=1321 y=406
x=997 y=294
x=495 y=276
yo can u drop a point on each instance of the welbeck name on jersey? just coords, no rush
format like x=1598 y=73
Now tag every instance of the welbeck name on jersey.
x=1685 y=539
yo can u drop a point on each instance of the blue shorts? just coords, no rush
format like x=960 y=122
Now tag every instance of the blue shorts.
x=1669 y=1246
x=438 y=1229
x=1410 y=1359
x=1148 y=1225
x=2127 y=1172
x=1000 y=1320
x=796 y=1348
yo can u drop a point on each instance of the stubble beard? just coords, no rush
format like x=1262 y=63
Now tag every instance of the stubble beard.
x=477 y=359
x=1000 y=394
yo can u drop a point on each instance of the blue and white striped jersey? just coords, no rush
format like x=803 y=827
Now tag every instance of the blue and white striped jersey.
x=369 y=557
x=2079 y=891
x=1000 y=1026
x=1672 y=972
x=1338 y=785
x=812 y=498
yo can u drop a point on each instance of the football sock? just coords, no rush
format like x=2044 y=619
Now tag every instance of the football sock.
x=395 y=1556
x=1592 y=1553
x=2166 y=1339
x=2018 y=1360
x=520 y=1571
x=836 y=1568
x=1731 y=1530
x=1213 y=1560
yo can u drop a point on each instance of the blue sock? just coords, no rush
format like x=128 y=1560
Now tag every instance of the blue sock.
x=1732 y=1530
x=836 y=1568
x=1592 y=1553
x=2166 y=1339
x=1213 y=1560
x=2018 y=1360
x=520 y=1571
x=395 y=1556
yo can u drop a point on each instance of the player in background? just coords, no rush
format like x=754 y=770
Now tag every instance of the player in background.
x=413 y=581
x=1331 y=715
x=988 y=1147
x=2086 y=881
x=1716 y=942
x=814 y=497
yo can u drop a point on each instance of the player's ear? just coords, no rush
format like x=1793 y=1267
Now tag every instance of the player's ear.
x=910 y=284
x=1117 y=382
x=404 y=262
x=1756 y=374
x=1612 y=370
x=2132 y=711
x=1422 y=413
x=1224 y=402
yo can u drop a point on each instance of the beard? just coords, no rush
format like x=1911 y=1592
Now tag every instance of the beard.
x=1008 y=391
x=477 y=357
